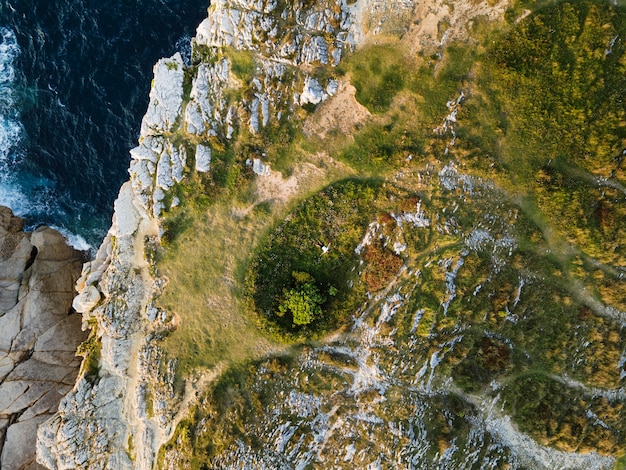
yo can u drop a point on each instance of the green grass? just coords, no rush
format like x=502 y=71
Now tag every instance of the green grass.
x=242 y=63
x=408 y=98
x=336 y=217
x=378 y=72
x=559 y=95
x=204 y=263
x=90 y=350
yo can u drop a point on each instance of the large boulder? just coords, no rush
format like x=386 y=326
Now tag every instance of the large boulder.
x=39 y=333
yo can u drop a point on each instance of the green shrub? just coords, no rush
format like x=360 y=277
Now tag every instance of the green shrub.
x=559 y=90
x=303 y=302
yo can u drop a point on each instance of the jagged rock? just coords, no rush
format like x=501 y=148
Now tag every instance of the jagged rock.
x=313 y=92
x=166 y=96
x=255 y=25
x=97 y=417
x=207 y=107
x=38 y=338
x=314 y=50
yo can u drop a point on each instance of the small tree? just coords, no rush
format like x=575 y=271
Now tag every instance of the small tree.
x=304 y=301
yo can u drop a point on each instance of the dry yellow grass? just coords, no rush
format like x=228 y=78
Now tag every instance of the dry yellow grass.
x=204 y=267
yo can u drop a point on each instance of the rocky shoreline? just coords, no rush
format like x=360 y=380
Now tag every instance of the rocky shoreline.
x=39 y=333
x=121 y=407
x=119 y=416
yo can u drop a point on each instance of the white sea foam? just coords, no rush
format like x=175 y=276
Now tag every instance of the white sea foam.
x=9 y=50
x=73 y=239
x=11 y=133
x=10 y=127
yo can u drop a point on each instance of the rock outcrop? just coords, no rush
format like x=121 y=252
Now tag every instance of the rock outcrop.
x=99 y=419
x=39 y=333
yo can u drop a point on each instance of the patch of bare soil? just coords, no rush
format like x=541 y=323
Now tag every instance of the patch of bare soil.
x=278 y=189
x=342 y=114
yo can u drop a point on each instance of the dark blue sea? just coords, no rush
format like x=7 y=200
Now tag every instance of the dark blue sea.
x=74 y=82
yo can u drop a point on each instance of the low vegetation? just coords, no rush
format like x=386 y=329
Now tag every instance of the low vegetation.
x=315 y=246
x=502 y=289
x=203 y=260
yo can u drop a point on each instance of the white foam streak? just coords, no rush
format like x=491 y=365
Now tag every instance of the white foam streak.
x=73 y=239
x=10 y=127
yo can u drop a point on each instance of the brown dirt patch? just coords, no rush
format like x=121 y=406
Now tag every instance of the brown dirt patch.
x=341 y=113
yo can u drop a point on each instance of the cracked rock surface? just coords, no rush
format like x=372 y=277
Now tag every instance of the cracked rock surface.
x=39 y=333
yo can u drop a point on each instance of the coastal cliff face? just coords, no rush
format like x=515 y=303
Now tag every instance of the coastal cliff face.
x=420 y=375
x=123 y=407
x=39 y=333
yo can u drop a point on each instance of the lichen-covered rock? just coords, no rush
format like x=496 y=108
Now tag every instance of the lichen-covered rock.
x=39 y=333
x=166 y=96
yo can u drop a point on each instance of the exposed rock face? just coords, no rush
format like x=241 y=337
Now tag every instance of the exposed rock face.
x=39 y=333
x=99 y=418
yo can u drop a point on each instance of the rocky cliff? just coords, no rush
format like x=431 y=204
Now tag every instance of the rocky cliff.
x=40 y=333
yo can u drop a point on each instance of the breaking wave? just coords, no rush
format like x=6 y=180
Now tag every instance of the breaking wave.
x=74 y=84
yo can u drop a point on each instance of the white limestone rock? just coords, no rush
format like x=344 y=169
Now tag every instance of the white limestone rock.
x=333 y=87
x=314 y=51
x=194 y=119
x=206 y=110
x=264 y=101
x=312 y=92
x=164 y=179
x=86 y=300
x=142 y=179
x=126 y=215
x=157 y=198
x=258 y=167
x=203 y=158
x=178 y=158
x=253 y=122
x=166 y=97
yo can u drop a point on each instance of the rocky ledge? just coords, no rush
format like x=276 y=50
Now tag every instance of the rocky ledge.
x=39 y=333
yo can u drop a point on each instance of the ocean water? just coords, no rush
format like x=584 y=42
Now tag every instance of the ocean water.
x=74 y=82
